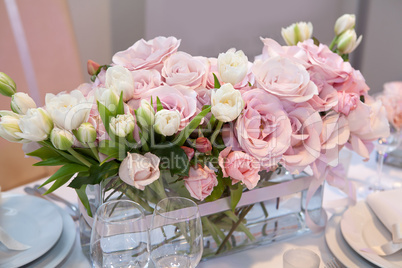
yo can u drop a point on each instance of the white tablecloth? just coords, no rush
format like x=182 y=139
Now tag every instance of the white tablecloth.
x=360 y=172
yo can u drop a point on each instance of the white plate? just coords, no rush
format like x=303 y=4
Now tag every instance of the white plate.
x=362 y=229
x=338 y=246
x=32 y=221
x=63 y=247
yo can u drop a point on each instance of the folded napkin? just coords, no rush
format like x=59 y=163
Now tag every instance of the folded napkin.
x=387 y=206
x=8 y=241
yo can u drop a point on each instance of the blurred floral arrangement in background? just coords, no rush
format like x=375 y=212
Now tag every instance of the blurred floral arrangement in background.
x=157 y=118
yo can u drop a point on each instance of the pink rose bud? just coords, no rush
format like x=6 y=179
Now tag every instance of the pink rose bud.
x=92 y=67
x=346 y=102
x=189 y=152
x=200 y=182
x=203 y=145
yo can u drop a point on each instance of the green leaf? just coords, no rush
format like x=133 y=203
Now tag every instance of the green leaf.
x=84 y=199
x=43 y=153
x=96 y=174
x=173 y=158
x=217 y=84
x=185 y=133
x=218 y=190
x=68 y=156
x=62 y=175
x=105 y=115
x=235 y=195
x=54 y=161
x=120 y=105
x=158 y=104
x=113 y=149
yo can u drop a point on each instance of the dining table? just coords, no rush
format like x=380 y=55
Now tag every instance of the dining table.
x=361 y=173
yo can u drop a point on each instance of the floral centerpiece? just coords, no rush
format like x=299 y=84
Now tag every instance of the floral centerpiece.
x=159 y=121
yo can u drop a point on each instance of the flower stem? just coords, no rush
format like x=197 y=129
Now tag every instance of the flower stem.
x=331 y=46
x=94 y=150
x=216 y=132
x=78 y=157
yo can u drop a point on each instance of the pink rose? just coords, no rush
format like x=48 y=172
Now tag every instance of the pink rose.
x=200 y=182
x=273 y=49
x=326 y=99
x=305 y=140
x=392 y=101
x=263 y=129
x=145 y=80
x=139 y=170
x=346 y=102
x=367 y=123
x=203 y=97
x=182 y=100
x=285 y=79
x=85 y=89
x=185 y=71
x=146 y=54
x=240 y=167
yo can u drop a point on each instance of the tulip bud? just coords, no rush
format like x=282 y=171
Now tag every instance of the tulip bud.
x=61 y=138
x=92 y=67
x=122 y=124
x=203 y=145
x=9 y=127
x=86 y=133
x=344 y=23
x=21 y=102
x=167 y=122
x=347 y=42
x=227 y=103
x=145 y=114
x=7 y=85
x=297 y=32
x=232 y=66
x=107 y=97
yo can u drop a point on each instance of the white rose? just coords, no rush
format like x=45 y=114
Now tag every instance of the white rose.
x=232 y=66
x=122 y=124
x=35 y=125
x=9 y=127
x=297 y=32
x=107 y=97
x=68 y=110
x=119 y=79
x=61 y=138
x=21 y=102
x=167 y=122
x=344 y=22
x=348 y=41
x=139 y=170
x=227 y=103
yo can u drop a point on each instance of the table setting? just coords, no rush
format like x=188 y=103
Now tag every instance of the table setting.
x=172 y=160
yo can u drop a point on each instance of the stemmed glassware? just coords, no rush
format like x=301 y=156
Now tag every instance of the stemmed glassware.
x=176 y=234
x=119 y=236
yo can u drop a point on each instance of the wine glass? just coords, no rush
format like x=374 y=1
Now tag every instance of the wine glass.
x=384 y=146
x=119 y=236
x=176 y=234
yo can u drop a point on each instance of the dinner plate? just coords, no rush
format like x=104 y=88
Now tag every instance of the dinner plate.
x=362 y=229
x=32 y=221
x=340 y=248
x=62 y=248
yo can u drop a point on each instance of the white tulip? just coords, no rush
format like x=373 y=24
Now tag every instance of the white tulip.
x=9 y=127
x=86 y=133
x=347 y=42
x=21 y=102
x=344 y=23
x=68 y=110
x=145 y=114
x=35 y=125
x=297 y=32
x=122 y=124
x=107 y=97
x=119 y=79
x=7 y=85
x=61 y=138
x=227 y=103
x=167 y=122
x=232 y=66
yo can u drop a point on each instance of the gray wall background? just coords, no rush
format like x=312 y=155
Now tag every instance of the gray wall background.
x=209 y=27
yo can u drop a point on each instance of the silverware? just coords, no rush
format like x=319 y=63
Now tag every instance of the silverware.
x=333 y=263
x=74 y=212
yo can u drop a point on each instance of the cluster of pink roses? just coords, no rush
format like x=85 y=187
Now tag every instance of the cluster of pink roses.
x=302 y=104
x=391 y=98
